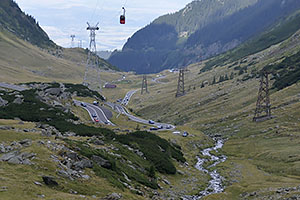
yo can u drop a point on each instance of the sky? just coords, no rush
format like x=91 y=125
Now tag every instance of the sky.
x=63 y=18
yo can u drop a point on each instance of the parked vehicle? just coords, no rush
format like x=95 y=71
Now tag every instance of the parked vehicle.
x=96 y=103
x=83 y=104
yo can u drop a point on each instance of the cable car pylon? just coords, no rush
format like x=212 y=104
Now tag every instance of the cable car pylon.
x=92 y=60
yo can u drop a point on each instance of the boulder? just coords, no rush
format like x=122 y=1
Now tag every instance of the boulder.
x=113 y=196
x=98 y=142
x=85 y=163
x=2 y=148
x=8 y=156
x=72 y=155
x=48 y=180
x=54 y=91
x=3 y=102
x=18 y=101
x=26 y=142
x=102 y=162
x=15 y=160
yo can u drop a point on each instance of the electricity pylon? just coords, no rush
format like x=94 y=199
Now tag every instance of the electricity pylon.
x=180 y=87
x=72 y=41
x=263 y=106
x=144 y=85
x=92 y=60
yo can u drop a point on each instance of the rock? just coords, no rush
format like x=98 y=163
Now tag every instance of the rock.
x=46 y=133
x=54 y=91
x=180 y=172
x=5 y=128
x=70 y=134
x=15 y=160
x=8 y=156
x=72 y=155
x=86 y=177
x=3 y=189
x=41 y=196
x=98 y=142
x=26 y=142
x=48 y=180
x=18 y=101
x=85 y=163
x=26 y=162
x=3 y=102
x=102 y=162
x=73 y=192
x=38 y=183
x=2 y=148
x=63 y=173
x=165 y=181
x=113 y=196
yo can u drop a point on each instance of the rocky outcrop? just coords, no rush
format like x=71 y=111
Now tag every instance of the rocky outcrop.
x=50 y=181
x=16 y=157
x=3 y=102
x=102 y=162
x=113 y=196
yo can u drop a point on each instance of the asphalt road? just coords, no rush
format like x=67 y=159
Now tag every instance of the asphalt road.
x=127 y=97
x=100 y=113
x=12 y=87
x=122 y=110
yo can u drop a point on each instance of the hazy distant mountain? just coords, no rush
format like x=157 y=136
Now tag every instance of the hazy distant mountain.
x=200 y=30
x=104 y=54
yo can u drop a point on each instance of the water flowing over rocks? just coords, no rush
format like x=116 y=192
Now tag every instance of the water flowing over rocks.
x=215 y=184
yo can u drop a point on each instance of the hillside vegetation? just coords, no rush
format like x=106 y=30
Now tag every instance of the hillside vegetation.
x=190 y=35
x=23 y=25
x=262 y=159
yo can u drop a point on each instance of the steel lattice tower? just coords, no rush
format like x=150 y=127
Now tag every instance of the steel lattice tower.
x=144 y=85
x=72 y=41
x=263 y=106
x=92 y=60
x=180 y=87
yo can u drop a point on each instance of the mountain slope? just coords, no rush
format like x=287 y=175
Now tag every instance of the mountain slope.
x=27 y=53
x=24 y=26
x=262 y=157
x=213 y=36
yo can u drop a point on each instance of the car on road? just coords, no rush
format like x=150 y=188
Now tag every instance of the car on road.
x=160 y=127
x=96 y=120
x=83 y=104
x=94 y=115
x=96 y=103
x=153 y=129
x=168 y=127
x=151 y=122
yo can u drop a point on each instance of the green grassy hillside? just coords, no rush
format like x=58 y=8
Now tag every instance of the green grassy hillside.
x=262 y=157
x=23 y=62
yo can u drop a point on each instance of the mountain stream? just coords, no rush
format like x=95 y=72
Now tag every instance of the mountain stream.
x=215 y=184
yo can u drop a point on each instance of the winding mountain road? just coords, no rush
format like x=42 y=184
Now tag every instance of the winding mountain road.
x=96 y=112
x=122 y=110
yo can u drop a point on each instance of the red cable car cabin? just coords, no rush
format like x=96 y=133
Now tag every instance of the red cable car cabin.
x=122 y=17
